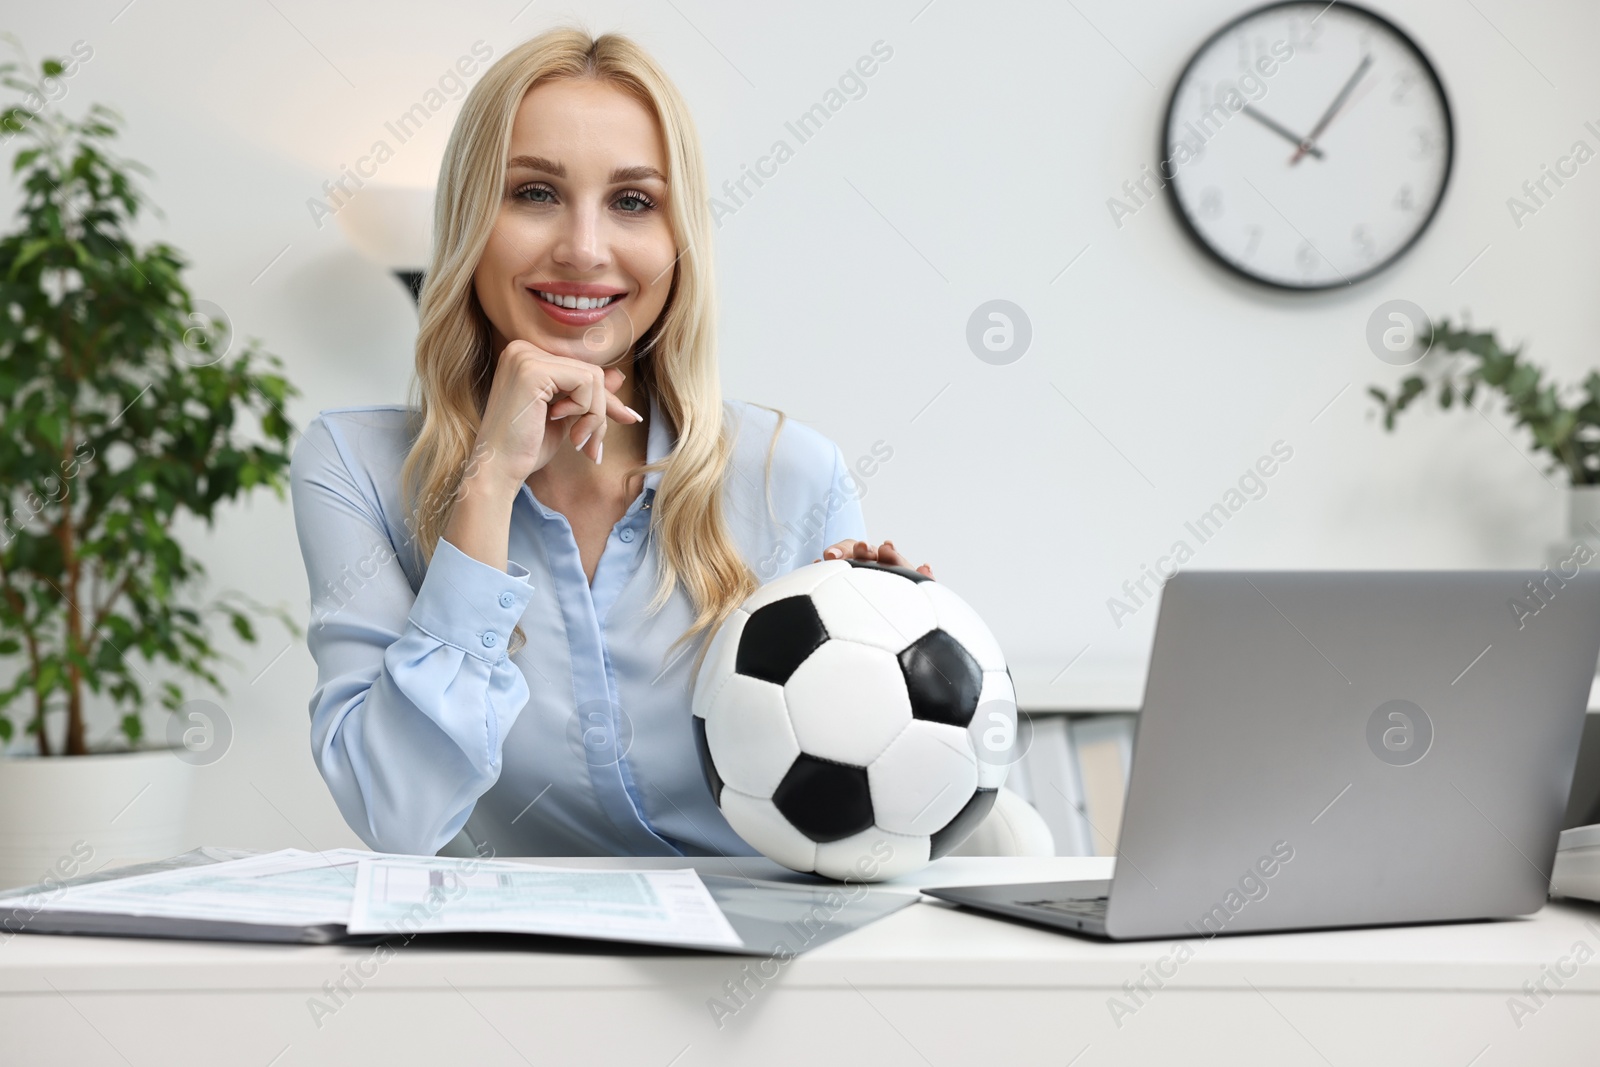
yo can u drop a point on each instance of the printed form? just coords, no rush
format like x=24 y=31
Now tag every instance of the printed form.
x=422 y=894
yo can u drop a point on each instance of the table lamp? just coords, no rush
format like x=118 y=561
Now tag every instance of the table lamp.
x=392 y=226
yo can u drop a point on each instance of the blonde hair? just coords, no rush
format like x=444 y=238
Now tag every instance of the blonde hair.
x=675 y=359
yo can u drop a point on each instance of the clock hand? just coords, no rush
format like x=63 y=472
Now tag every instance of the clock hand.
x=1281 y=131
x=1333 y=108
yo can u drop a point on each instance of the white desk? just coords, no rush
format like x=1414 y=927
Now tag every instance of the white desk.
x=931 y=984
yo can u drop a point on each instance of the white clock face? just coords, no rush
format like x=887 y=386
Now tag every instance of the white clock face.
x=1308 y=144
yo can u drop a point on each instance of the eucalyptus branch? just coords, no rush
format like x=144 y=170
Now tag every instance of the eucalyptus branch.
x=1564 y=421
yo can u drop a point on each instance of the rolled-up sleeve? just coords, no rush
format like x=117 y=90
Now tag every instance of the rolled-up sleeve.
x=415 y=692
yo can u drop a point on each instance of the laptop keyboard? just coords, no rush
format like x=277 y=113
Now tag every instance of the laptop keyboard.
x=1078 y=907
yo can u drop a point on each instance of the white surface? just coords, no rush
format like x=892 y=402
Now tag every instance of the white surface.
x=1080 y=688
x=929 y=984
x=1579 y=837
x=1576 y=872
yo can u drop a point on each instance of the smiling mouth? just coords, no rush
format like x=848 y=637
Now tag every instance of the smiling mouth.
x=578 y=303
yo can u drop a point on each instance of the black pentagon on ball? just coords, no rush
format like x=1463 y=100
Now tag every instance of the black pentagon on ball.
x=824 y=800
x=955 y=831
x=778 y=637
x=713 y=779
x=904 y=572
x=942 y=679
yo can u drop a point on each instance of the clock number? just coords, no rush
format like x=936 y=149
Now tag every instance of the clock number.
x=1211 y=202
x=1404 y=200
x=1212 y=96
x=1299 y=40
x=1426 y=143
x=1403 y=82
x=1363 y=240
x=1307 y=256
x=1251 y=49
x=1255 y=242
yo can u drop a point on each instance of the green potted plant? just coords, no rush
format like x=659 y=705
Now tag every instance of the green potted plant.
x=1563 y=421
x=121 y=408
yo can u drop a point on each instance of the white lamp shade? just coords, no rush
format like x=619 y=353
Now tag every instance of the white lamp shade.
x=390 y=225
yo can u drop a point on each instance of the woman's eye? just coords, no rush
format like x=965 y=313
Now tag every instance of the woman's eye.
x=635 y=202
x=632 y=202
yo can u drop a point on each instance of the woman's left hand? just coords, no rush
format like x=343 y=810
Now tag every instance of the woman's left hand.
x=885 y=553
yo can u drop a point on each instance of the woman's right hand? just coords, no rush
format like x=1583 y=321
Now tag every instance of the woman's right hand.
x=539 y=402
x=885 y=553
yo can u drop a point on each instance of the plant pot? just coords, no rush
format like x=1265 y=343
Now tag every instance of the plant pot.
x=1583 y=528
x=1583 y=531
x=67 y=815
x=1583 y=513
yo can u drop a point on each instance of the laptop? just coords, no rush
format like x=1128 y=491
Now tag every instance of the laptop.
x=1330 y=749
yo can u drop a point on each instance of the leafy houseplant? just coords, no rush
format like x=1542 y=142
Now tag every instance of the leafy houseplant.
x=1567 y=431
x=120 y=408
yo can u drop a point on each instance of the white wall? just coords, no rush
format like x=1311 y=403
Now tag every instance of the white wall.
x=977 y=166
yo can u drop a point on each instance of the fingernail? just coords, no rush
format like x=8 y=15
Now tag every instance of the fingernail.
x=636 y=416
x=585 y=441
x=599 y=450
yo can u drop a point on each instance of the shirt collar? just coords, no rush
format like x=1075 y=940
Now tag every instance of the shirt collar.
x=660 y=444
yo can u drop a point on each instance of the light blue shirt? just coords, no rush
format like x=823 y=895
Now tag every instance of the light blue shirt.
x=579 y=743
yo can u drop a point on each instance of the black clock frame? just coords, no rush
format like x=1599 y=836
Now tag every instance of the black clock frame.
x=1188 y=224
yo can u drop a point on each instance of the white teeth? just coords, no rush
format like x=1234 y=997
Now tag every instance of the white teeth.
x=579 y=303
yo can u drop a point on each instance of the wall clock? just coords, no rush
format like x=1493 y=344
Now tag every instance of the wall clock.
x=1307 y=144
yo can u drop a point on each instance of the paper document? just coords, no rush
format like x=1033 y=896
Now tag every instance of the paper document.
x=384 y=893
x=430 y=894
x=290 y=887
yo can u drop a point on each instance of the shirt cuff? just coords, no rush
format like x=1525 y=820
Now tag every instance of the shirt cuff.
x=469 y=604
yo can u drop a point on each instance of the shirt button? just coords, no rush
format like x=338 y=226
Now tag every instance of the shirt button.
x=627 y=534
x=489 y=639
x=506 y=599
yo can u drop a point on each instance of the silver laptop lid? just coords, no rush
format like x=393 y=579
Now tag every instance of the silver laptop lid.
x=1353 y=747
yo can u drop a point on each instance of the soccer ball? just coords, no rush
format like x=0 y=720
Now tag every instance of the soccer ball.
x=854 y=719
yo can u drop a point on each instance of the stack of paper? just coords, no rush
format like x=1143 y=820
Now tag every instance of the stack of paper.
x=377 y=893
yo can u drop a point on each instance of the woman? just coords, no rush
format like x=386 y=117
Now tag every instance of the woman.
x=502 y=608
